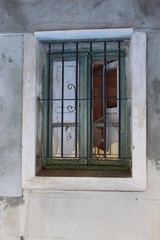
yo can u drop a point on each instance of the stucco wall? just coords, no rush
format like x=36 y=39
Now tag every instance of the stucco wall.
x=10 y=114
x=29 y=15
x=75 y=215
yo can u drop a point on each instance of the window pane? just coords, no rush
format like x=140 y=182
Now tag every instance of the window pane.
x=68 y=142
x=112 y=120
x=69 y=111
x=69 y=91
x=112 y=88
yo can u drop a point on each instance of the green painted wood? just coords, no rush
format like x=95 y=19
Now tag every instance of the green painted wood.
x=83 y=108
x=50 y=108
x=125 y=113
x=88 y=164
x=84 y=116
x=123 y=108
x=44 y=108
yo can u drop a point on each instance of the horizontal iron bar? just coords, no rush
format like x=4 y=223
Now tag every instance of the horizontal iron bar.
x=64 y=124
x=98 y=125
x=88 y=158
x=87 y=51
x=72 y=99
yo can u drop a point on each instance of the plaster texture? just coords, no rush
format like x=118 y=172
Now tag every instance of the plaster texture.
x=153 y=99
x=10 y=114
x=66 y=215
x=30 y=16
x=84 y=215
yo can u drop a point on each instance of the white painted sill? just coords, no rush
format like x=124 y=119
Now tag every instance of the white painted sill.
x=84 y=184
x=137 y=73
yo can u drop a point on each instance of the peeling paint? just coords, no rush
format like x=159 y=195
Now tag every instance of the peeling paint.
x=98 y=4
x=2 y=101
x=3 y=61
x=157 y=164
x=14 y=11
x=150 y=8
x=3 y=204
x=13 y=202
x=156 y=86
x=10 y=60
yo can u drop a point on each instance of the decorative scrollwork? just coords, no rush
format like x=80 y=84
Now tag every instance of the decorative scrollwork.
x=70 y=86
x=71 y=108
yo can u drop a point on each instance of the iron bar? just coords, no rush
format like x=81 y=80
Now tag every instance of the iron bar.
x=48 y=103
x=62 y=115
x=102 y=159
x=71 y=99
x=119 y=62
x=96 y=52
x=104 y=102
x=76 y=96
x=91 y=103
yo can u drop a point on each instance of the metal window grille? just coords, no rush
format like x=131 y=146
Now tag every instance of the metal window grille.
x=76 y=97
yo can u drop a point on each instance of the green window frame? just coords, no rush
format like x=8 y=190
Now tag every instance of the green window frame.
x=115 y=51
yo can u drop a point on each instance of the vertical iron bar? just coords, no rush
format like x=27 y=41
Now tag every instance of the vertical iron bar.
x=91 y=103
x=119 y=61
x=62 y=108
x=104 y=104
x=76 y=96
x=48 y=104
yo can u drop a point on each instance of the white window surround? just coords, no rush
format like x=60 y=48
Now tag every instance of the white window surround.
x=137 y=75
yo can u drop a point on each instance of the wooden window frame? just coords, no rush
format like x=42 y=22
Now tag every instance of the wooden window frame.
x=117 y=164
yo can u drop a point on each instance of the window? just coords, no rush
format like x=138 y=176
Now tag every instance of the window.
x=134 y=68
x=85 y=106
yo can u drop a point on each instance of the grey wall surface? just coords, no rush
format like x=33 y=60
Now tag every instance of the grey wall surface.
x=10 y=114
x=29 y=15
x=153 y=96
x=75 y=215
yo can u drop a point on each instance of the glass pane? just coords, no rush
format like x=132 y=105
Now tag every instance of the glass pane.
x=112 y=88
x=69 y=91
x=98 y=142
x=68 y=141
x=97 y=93
x=111 y=117
x=111 y=140
x=112 y=134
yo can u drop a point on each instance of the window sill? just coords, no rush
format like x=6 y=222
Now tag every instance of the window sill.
x=53 y=184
